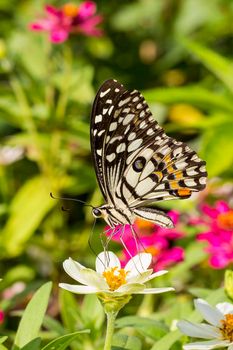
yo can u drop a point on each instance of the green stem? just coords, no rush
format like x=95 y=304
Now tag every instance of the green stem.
x=111 y=317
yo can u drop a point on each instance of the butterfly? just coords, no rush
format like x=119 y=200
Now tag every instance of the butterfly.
x=136 y=163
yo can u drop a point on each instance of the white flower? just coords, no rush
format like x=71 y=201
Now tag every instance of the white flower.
x=219 y=331
x=110 y=279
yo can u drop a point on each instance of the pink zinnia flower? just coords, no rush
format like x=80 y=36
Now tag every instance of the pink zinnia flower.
x=2 y=317
x=151 y=239
x=70 y=18
x=219 y=233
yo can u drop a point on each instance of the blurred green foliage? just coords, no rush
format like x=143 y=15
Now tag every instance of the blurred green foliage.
x=178 y=53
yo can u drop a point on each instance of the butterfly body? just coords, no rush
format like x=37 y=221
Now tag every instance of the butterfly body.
x=115 y=216
x=136 y=163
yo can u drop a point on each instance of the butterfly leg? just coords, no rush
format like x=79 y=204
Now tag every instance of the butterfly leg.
x=123 y=242
x=138 y=244
x=105 y=244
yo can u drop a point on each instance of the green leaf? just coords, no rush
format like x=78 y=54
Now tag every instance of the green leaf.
x=76 y=83
x=217 y=149
x=169 y=339
x=135 y=14
x=32 y=345
x=33 y=315
x=219 y=65
x=193 y=14
x=53 y=325
x=36 y=63
x=17 y=273
x=92 y=311
x=199 y=292
x=126 y=342
x=2 y=339
x=195 y=95
x=12 y=111
x=194 y=255
x=2 y=347
x=63 y=342
x=146 y=326
x=69 y=310
x=30 y=204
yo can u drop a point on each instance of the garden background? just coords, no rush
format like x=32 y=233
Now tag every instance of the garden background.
x=179 y=55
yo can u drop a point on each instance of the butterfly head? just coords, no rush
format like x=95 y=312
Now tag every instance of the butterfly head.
x=103 y=212
x=97 y=213
x=110 y=214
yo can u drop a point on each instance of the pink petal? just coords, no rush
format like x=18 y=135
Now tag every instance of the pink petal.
x=209 y=211
x=2 y=316
x=169 y=233
x=174 y=215
x=88 y=26
x=53 y=11
x=40 y=25
x=222 y=207
x=59 y=36
x=219 y=261
x=87 y=9
x=170 y=257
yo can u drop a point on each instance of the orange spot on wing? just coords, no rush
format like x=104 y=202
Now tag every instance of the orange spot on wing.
x=174 y=185
x=169 y=163
x=178 y=175
x=184 y=192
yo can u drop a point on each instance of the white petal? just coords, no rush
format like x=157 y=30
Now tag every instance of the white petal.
x=198 y=330
x=138 y=264
x=83 y=275
x=79 y=289
x=106 y=260
x=156 y=290
x=209 y=313
x=206 y=345
x=230 y=347
x=157 y=274
x=143 y=277
x=73 y=268
x=225 y=308
x=94 y=279
x=130 y=288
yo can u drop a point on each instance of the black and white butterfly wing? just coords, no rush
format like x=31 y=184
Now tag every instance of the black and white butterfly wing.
x=103 y=124
x=136 y=162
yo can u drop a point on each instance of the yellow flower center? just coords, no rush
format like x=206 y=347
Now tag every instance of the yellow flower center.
x=225 y=220
x=115 y=277
x=227 y=327
x=70 y=9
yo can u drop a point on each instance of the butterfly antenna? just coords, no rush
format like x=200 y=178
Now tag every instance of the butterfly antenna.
x=72 y=200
